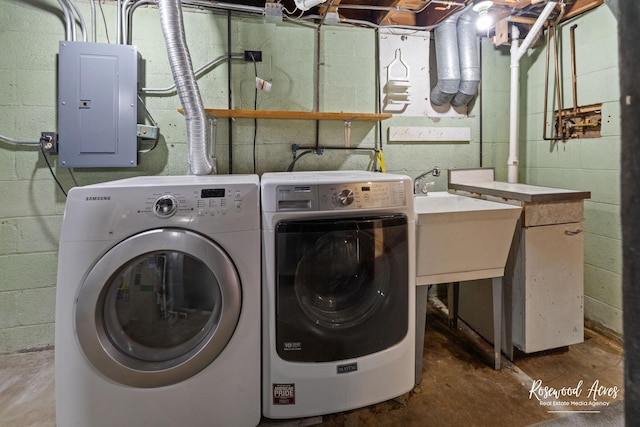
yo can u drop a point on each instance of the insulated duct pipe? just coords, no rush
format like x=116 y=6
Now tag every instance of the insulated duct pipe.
x=469 y=59
x=516 y=53
x=185 y=79
x=448 y=62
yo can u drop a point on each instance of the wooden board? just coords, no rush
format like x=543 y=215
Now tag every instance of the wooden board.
x=296 y=115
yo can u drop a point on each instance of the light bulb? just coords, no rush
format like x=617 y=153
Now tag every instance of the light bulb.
x=482 y=5
x=484 y=21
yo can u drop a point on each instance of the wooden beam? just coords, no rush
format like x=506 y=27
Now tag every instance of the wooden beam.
x=397 y=17
x=518 y=4
x=582 y=6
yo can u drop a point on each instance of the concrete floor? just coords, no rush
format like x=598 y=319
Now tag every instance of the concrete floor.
x=458 y=387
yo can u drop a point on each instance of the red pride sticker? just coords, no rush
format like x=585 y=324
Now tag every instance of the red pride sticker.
x=284 y=394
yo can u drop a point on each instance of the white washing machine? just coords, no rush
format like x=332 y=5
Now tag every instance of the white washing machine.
x=158 y=303
x=338 y=291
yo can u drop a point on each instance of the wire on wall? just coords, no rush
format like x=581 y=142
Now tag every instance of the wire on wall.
x=46 y=159
x=44 y=139
x=229 y=87
x=255 y=107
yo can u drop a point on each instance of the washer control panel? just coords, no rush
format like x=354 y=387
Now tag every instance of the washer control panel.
x=323 y=197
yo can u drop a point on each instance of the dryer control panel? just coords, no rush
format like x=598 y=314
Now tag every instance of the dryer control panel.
x=214 y=201
x=204 y=204
x=349 y=196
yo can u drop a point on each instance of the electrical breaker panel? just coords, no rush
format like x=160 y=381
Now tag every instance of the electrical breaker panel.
x=97 y=105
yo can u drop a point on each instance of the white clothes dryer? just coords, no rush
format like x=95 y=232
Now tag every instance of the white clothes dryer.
x=338 y=291
x=158 y=303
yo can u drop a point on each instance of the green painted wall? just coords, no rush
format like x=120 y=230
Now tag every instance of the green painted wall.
x=32 y=206
x=583 y=164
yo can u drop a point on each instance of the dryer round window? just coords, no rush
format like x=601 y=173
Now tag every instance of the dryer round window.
x=164 y=314
x=153 y=310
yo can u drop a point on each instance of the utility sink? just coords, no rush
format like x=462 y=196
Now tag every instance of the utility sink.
x=461 y=238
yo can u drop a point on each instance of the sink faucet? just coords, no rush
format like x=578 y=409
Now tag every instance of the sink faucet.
x=418 y=188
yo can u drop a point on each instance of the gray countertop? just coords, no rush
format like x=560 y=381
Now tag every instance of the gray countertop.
x=521 y=192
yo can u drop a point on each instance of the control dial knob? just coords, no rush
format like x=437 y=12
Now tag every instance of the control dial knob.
x=345 y=197
x=165 y=206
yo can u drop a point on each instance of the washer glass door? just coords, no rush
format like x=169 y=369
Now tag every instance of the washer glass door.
x=342 y=287
x=158 y=308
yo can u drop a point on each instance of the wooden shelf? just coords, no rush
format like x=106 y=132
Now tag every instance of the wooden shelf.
x=296 y=115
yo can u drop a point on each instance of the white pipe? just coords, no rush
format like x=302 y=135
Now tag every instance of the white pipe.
x=118 y=22
x=213 y=63
x=93 y=21
x=537 y=26
x=83 y=26
x=516 y=53
x=512 y=162
x=123 y=19
x=68 y=19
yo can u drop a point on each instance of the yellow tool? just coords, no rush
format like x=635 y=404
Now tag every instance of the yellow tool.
x=380 y=159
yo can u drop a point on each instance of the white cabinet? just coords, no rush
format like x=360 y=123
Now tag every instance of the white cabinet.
x=547 y=287
x=544 y=276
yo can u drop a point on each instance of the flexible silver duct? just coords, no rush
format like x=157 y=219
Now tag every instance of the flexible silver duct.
x=448 y=62
x=469 y=60
x=185 y=79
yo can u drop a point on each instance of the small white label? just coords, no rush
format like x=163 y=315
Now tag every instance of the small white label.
x=292 y=346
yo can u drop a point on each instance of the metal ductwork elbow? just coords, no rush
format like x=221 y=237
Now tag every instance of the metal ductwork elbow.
x=469 y=60
x=448 y=63
x=182 y=70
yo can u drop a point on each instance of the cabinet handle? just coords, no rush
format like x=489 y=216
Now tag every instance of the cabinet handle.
x=573 y=232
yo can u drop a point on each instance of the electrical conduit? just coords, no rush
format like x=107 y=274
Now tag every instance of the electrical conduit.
x=180 y=61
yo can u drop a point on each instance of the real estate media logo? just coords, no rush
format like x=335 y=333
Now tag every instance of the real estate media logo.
x=555 y=397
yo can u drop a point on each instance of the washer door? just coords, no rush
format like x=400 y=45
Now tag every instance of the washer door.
x=342 y=287
x=158 y=308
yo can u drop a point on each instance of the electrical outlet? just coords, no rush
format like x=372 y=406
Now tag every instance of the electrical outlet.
x=49 y=141
x=253 y=55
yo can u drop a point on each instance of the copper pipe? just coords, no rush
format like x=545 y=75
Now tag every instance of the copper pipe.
x=560 y=130
x=572 y=32
x=546 y=88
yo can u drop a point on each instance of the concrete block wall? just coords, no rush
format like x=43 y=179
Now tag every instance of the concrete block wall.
x=32 y=208
x=583 y=164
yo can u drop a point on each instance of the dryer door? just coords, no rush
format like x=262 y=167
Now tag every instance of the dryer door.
x=158 y=307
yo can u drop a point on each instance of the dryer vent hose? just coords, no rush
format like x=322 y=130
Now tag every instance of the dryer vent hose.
x=186 y=85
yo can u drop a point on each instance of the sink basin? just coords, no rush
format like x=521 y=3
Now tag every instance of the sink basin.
x=461 y=238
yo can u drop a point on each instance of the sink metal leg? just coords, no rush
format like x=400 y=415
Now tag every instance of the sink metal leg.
x=422 y=293
x=497 y=321
x=453 y=294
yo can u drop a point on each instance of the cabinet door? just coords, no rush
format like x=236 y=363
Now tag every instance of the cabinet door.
x=553 y=286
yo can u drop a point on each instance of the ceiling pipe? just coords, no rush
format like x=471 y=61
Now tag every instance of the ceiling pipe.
x=469 y=59
x=447 y=62
x=517 y=51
